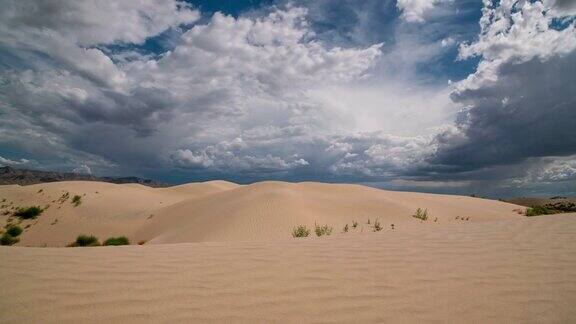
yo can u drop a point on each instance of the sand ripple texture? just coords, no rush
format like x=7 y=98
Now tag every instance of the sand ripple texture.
x=508 y=271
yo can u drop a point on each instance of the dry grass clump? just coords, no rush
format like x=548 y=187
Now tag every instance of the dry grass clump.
x=300 y=231
x=421 y=214
x=322 y=230
x=377 y=226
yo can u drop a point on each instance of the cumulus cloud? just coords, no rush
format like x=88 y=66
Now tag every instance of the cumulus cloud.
x=225 y=77
x=273 y=94
x=519 y=103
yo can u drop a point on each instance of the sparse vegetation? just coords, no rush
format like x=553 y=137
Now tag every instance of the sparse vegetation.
x=354 y=224
x=141 y=242
x=14 y=230
x=300 y=231
x=421 y=214
x=11 y=235
x=40 y=191
x=76 y=200
x=345 y=229
x=551 y=208
x=377 y=226
x=8 y=239
x=85 y=240
x=539 y=210
x=28 y=212
x=64 y=197
x=121 y=240
x=322 y=230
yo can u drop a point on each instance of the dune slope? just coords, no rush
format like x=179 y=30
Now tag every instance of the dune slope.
x=269 y=210
x=503 y=271
x=223 y=211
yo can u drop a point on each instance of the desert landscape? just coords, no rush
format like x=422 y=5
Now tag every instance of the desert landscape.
x=287 y=161
x=221 y=252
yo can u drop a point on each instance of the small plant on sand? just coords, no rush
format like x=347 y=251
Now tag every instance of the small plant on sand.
x=322 y=230
x=121 y=240
x=300 y=231
x=421 y=214
x=28 y=212
x=8 y=239
x=368 y=221
x=64 y=197
x=14 y=230
x=85 y=240
x=346 y=229
x=76 y=200
x=377 y=226
x=141 y=242
x=354 y=224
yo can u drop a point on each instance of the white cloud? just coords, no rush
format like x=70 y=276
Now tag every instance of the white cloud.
x=416 y=10
x=518 y=105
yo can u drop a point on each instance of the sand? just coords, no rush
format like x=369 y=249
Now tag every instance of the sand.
x=220 y=252
x=222 y=211
x=505 y=271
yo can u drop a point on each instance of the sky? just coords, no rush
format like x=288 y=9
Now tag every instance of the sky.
x=447 y=96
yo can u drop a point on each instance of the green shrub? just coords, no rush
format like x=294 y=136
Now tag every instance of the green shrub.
x=28 y=212
x=14 y=230
x=85 y=240
x=539 y=210
x=8 y=239
x=300 y=231
x=322 y=230
x=76 y=200
x=421 y=214
x=120 y=240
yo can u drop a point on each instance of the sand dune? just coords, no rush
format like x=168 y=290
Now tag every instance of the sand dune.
x=224 y=211
x=502 y=271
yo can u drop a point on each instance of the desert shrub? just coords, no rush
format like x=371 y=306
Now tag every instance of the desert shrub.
x=421 y=214
x=141 y=242
x=85 y=240
x=120 y=240
x=354 y=224
x=14 y=230
x=300 y=231
x=377 y=226
x=539 y=210
x=322 y=230
x=346 y=229
x=76 y=200
x=28 y=212
x=8 y=239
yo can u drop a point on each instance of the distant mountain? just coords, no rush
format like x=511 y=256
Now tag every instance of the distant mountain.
x=9 y=175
